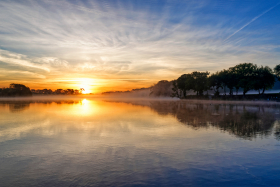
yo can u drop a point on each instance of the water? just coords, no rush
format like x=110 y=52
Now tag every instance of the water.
x=87 y=142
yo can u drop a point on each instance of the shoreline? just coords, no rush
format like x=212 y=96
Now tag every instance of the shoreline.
x=159 y=99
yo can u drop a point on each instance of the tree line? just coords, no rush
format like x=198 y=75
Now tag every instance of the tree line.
x=22 y=90
x=58 y=91
x=245 y=77
x=15 y=90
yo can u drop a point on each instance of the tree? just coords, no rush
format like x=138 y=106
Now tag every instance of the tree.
x=181 y=83
x=59 y=91
x=189 y=82
x=82 y=90
x=229 y=80
x=16 y=90
x=215 y=82
x=246 y=73
x=199 y=82
x=184 y=83
x=277 y=71
x=20 y=90
x=175 y=89
x=224 y=76
x=264 y=79
x=70 y=91
x=234 y=78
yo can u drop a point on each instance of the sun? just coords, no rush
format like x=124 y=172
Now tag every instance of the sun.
x=85 y=86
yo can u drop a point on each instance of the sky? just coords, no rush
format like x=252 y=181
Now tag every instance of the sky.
x=120 y=45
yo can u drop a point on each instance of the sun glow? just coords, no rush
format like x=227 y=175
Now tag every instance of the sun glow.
x=85 y=86
x=84 y=90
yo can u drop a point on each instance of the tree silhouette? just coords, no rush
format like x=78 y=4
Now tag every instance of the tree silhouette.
x=16 y=90
x=246 y=74
x=184 y=83
x=199 y=82
x=82 y=90
x=215 y=82
x=264 y=79
x=277 y=71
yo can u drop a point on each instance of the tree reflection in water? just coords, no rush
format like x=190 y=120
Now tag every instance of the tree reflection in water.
x=242 y=121
x=277 y=131
x=19 y=106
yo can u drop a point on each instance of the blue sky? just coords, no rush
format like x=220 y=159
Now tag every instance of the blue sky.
x=104 y=45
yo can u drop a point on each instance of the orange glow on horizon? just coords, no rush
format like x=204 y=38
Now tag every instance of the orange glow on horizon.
x=90 y=85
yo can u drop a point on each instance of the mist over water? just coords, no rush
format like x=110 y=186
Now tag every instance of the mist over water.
x=133 y=142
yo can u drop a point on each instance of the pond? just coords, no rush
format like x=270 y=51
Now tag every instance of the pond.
x=89 y=142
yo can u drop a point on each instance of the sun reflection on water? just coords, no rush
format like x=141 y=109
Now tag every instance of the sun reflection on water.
x=85 y=101
x=86 y=108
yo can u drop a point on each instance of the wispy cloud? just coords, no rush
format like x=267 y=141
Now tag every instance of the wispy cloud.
x=117 y=40
x=19 y=59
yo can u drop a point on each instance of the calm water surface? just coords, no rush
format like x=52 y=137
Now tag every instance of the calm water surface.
x=139 y=143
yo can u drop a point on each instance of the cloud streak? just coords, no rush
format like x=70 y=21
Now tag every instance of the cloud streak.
x=254 y=19
x=20 y=60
